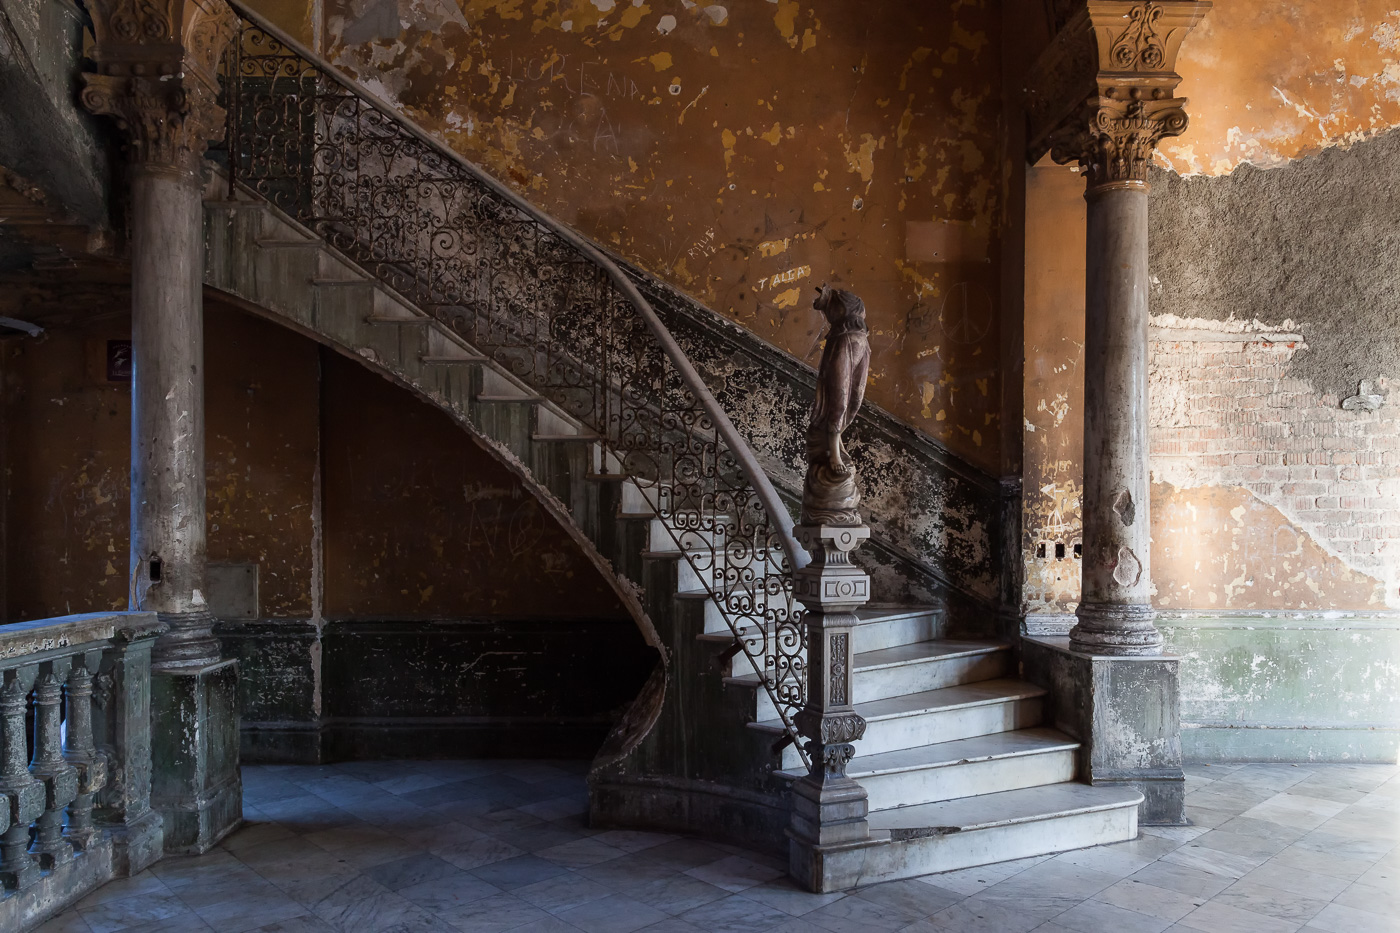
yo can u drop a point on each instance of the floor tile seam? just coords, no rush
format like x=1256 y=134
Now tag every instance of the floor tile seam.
x=1263 y=918
x=1366 y=887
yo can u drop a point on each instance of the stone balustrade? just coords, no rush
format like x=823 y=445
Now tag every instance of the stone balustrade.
x=75 y=759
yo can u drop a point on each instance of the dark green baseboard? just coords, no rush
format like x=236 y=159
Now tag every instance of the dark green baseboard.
x=356 y=740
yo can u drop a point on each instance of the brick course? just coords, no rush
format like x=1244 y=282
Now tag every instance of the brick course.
x=1225 y=414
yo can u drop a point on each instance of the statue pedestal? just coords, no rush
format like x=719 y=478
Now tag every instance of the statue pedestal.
x=829 y=829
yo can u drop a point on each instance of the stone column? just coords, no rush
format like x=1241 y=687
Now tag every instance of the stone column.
x=1113 y=139
x=1115 y=605
x=1110 y=685
x=157 y=66
x=829 y=830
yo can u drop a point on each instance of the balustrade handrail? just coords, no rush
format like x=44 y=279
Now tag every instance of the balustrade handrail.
x=76 y=791
x=748 y=463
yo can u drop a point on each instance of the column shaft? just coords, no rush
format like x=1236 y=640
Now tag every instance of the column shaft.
x=1115 y=613
x=167 y=413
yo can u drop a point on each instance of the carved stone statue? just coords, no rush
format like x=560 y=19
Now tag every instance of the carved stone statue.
x=829 y=494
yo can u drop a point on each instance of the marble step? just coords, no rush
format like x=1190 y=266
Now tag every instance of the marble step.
x=998 y=827
x=904 y=669
x=693 y=531
x=943 y=715
x=496 y=386
x=884 y=627
x=550 y=424
x=926 y=665
x=983 y=764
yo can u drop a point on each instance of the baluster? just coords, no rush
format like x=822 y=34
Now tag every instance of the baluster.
x=81 y=751
x=24 y=795
x=60 y=779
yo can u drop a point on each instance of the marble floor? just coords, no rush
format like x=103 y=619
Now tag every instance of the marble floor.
x=494 y=846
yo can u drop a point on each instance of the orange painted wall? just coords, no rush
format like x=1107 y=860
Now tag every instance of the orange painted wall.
x=1272 y=80
x=744 y=151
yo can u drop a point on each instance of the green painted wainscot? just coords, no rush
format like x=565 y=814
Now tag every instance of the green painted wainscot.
x=1287 y=686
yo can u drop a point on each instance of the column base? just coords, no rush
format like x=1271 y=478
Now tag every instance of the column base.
x=823 y=869
x=829 y=810
x=195 y=781
x=188 y=643
x=1116 y=629
x=1126 y=710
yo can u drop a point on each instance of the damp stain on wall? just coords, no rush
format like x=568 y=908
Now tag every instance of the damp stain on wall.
x=745 y=152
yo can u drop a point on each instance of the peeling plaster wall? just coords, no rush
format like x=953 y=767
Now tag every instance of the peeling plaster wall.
x=1272 y=302
x=411 y=594
x=1272 y=80
x=745 y=152
x=67 y=432
x=1275 y=506
x=1053 y=403
x=261 y=443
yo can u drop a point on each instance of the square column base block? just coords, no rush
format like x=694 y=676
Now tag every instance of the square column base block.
x=195 y=783
x=1126 y=711
x=829 y=812
x=823 y=869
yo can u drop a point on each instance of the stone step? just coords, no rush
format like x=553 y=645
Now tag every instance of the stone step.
x=883 y=627
x=717 y=628
x=984 y=764
x=926 y=665
x=998 y=827
x=496 y=386
x=945 y=714
x=447 y=349
x=550 y=424
x=692 y=532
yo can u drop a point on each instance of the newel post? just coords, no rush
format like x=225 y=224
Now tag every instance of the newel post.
x=829 y=833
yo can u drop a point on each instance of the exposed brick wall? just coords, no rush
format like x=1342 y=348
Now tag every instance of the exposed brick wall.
x=1226 y=414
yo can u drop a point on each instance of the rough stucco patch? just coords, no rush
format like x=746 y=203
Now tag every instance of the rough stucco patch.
x=1315 y=242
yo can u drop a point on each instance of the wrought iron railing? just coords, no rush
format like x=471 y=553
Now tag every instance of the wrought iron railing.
x=536 y=297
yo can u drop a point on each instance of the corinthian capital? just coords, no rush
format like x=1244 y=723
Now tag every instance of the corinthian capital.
x=168 y=123
x=157 y=75
x=1116 y=136
x=1103 y=93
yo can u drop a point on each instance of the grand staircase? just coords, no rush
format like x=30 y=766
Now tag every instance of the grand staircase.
x=635 y=461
